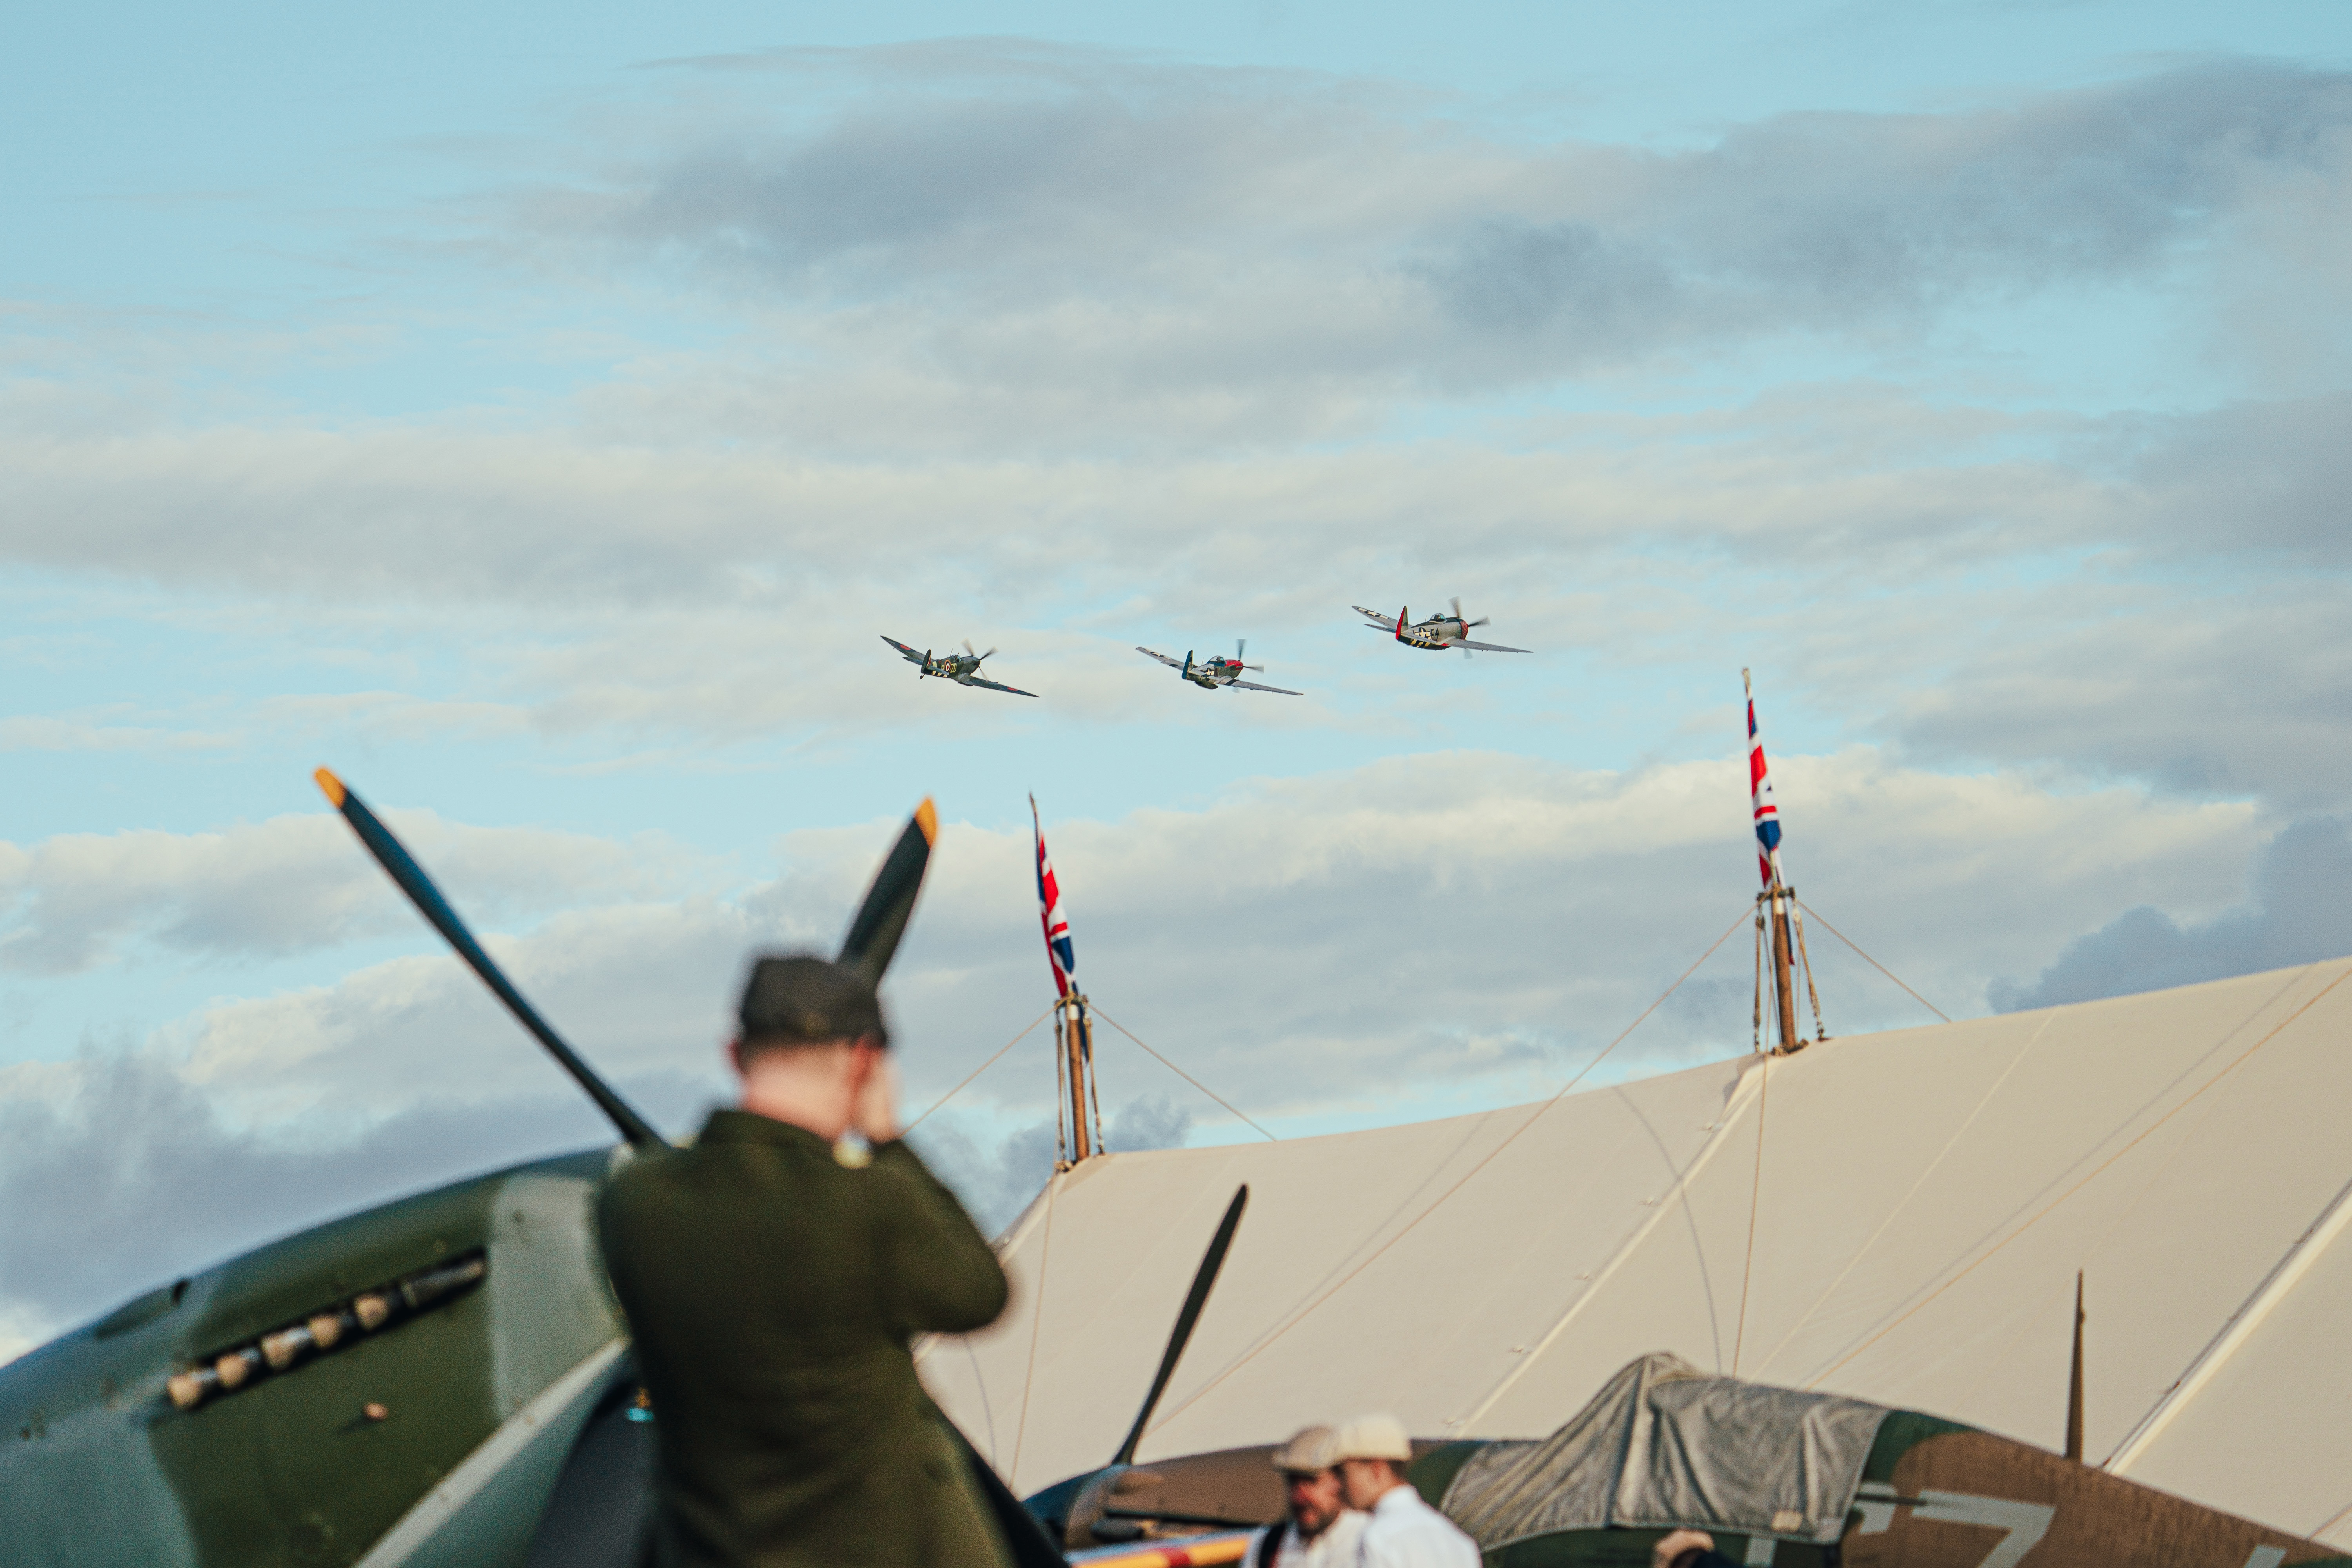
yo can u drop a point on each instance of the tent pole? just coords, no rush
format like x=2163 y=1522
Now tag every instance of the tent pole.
x=1784 y=991
x=1074 y=1054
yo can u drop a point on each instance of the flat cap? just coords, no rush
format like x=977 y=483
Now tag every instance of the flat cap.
x=1307 y=1453
x=1372 y=1438
x=801 y=999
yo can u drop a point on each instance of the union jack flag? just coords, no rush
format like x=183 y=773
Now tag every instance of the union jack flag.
x=1767 y=816
x=1058 y=951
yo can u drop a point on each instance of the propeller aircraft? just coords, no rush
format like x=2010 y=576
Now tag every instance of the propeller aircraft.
x=443 y=1380
x=963 y=669
x=1437 y=632
x=1219 y=670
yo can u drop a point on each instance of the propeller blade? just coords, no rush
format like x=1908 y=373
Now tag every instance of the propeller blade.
x=1241 y=646
x=410 y=877
x=882 y=918
x=1457 y=607
x=1194 y=1299
x=2075 y=1380
x=989 y=655
x=967 y=644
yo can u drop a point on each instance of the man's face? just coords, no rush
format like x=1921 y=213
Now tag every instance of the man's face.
x=1314 y=1500
x=1363 y=1482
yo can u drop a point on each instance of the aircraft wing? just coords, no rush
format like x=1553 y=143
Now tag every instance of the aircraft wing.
x=910 y=655
x=1386 y=623
x=1171 y=663
x=991 y=685
x=1490 y=648
x=1254 y=686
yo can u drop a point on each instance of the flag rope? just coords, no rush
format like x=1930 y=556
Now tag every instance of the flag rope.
x=1179 y=1072
x=1302 y=1314
x=979 y=1070
x=1866 y=958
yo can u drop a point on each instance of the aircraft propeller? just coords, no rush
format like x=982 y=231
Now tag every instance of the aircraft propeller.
x=873 y=936
x=1241 y=645
x=978 y=658
x=1204 y=1280
x=1465 y=626
x=410 y=877
x=882 y=918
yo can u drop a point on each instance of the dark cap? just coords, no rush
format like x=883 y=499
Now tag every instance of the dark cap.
x=802 y=999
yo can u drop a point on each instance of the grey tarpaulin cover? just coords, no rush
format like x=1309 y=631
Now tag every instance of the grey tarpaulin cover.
x=1665 y=1443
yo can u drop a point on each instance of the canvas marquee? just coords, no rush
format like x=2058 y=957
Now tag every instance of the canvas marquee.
x=1908 y=1234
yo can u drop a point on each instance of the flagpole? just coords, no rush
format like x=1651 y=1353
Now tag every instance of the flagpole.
x=1776 y=890
x=1072 y=1031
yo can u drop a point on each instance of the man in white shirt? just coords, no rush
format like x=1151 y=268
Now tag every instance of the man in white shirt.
x=1320 y=1532
x=1373 y=1453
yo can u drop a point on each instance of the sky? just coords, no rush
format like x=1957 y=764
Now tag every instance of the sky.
x=539 y=417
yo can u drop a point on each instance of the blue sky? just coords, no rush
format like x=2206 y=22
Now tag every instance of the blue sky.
x=540 y=416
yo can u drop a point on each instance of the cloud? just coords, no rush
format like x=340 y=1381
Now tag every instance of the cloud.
x=291 y=884
x=2298 y=914
x=2250 y=695
x=1038 y=216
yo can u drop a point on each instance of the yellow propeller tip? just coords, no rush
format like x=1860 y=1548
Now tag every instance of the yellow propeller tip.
x=927 y=817
x=333 y=785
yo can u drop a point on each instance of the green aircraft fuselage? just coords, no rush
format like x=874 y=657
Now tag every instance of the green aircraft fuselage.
x=459 y=1410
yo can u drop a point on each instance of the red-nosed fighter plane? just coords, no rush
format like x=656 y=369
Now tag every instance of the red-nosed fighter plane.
x=1438 y=633
x=1218 y=672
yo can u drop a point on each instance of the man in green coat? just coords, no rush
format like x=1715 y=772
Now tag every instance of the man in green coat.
x=773 y=1274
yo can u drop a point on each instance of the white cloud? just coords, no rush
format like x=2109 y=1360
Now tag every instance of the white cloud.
x=287 y=885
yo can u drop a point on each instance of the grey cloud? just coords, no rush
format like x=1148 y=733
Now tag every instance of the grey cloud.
x=1840 y=222
x=2259 y=477
x=2252 y=695
x=1379 y=240
x=2299 y=913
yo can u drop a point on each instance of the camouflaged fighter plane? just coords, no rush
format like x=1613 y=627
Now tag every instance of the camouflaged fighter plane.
x=1762 y=1475
x=963 y=669
x=1218 y=671
x=1436 y=633
x=442 y=1381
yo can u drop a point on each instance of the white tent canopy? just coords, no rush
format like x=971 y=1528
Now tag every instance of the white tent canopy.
x=1921 y=1205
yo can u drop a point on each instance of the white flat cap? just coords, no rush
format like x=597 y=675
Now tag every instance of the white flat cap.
x=1372 y=1438
x=1307 y=1452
